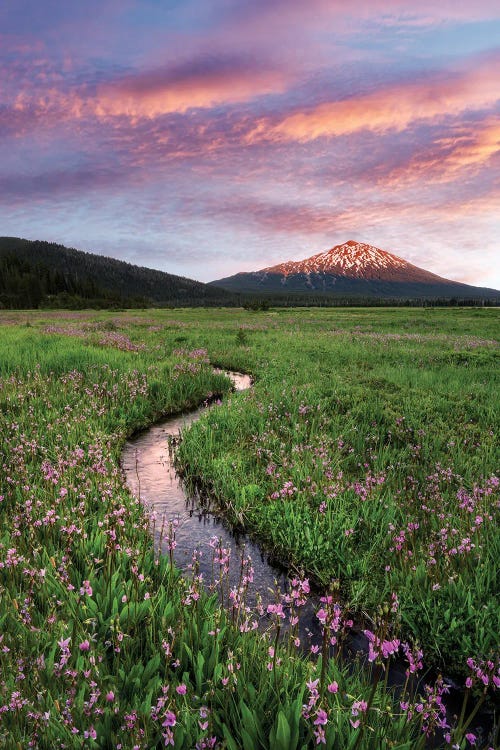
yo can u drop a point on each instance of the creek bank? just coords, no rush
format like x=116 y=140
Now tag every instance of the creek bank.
x=148 y=465
x=185 y=525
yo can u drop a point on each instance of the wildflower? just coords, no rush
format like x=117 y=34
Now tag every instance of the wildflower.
x=168 y=737
x=390 y=647
x=414 y=659
x=333 y=687
x=86 y=589
x=170 y=719
x=319 y=733
x=358 y=706
x=321 y=717
x=84 y=645
x=181 y=689
x=276 y=609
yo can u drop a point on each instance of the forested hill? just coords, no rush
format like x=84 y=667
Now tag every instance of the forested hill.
x=38 y=274
x=43 y=274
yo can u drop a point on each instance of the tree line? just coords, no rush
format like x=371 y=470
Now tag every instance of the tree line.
x=36 y=274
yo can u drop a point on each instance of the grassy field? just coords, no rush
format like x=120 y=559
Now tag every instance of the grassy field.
x=364 y=457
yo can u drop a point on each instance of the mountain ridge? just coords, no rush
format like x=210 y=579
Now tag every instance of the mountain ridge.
x=35 y=272
x=356 y=260
x=352 y=268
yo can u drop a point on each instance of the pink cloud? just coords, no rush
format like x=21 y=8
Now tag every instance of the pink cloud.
x=393 y=107
x=157 y=93
x=203 y=84
x=298 y=31
x=464 y=149
x=383 y=10
x=475 y=150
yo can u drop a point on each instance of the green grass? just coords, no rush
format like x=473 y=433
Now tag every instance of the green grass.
x=389 y=408
x=364 y=457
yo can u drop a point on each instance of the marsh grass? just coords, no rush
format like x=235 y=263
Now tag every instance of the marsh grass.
x=357 y=420
x=374 y=461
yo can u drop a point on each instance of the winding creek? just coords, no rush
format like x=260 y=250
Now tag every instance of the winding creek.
x=148 y=466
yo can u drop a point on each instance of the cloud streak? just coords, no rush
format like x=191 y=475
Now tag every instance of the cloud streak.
x=257 y=131
x=203 y=83
x=394 y=107
x=462 y=150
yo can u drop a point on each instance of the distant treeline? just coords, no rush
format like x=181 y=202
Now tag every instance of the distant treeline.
x=42 y=274
x=35 y=274
x=27 y=285
x=316 y=300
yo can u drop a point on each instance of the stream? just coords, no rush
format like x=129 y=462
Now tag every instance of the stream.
x=148 y=466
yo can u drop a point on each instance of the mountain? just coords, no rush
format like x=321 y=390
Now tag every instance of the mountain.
x=43 y=274
x=353 y=269
x=34 y=274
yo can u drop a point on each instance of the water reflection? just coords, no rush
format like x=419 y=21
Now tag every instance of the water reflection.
x=148 y=465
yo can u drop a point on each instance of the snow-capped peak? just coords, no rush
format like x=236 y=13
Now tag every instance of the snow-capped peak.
x=353 y=259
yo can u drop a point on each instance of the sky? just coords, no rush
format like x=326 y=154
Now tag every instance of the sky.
x=207 y=137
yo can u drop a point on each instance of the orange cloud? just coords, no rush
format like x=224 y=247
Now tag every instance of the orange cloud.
x=473 y=207
x=392 y=108
x=449 y=156
x=196 y=91
x=201 y=84
x=474 y=151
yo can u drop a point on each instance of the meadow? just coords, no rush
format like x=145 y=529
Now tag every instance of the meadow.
x=364 y=457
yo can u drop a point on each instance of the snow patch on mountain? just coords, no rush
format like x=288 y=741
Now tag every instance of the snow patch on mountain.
x=352 y=259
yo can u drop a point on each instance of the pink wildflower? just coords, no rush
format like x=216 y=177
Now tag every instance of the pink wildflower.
x=170 y=719
x=321 y=717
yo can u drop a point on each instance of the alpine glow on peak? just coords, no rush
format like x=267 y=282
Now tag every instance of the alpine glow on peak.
x=352 y=269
